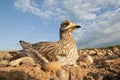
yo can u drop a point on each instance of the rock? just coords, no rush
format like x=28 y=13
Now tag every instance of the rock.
x=79 y=77
x=3 y=63
x=92 y=52
x=85 y=58
x=115 y=49
x=62 y=75
x=23 y=61
x=51 y=66
x=88 y=60
x=82 y=64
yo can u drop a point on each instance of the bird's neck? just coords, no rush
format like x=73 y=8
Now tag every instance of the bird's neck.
x=66 y=37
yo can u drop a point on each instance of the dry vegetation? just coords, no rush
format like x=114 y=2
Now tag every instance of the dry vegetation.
x=93 y=64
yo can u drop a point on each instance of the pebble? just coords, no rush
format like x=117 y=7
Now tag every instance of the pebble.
x=24 y=60
x=51 y=66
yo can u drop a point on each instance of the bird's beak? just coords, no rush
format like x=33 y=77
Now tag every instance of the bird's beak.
x=73 y=25
x=77 y=26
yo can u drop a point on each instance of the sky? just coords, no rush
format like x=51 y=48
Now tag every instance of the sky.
x=39 y=20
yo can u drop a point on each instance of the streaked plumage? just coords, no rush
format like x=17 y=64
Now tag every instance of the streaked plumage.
x=63 y=50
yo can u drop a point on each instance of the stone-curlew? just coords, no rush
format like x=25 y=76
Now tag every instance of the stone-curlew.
x=64 y=50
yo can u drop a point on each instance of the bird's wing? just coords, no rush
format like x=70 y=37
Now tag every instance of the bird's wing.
x=44 y=46
x=48 y=47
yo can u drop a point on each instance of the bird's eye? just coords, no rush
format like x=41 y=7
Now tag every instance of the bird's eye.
x=65 y=24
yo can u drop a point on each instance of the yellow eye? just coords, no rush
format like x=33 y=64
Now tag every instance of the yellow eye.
x=65 y=24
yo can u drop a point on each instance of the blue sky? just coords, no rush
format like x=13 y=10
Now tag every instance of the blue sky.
x=39 y=20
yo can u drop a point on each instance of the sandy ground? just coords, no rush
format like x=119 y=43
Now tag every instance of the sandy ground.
x=105 y=65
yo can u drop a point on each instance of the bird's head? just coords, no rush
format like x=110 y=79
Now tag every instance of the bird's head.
x=68 y=26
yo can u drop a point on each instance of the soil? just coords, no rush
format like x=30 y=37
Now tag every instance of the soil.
x=105 y=66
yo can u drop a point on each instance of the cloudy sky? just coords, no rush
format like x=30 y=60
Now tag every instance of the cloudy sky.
x=39 y=20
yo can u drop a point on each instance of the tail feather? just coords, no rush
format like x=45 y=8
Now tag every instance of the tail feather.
x=25 y=45
x=35 y=54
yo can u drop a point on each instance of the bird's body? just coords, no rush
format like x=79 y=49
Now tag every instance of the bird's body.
x=64 y=50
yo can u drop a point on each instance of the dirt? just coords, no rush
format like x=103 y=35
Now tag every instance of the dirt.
x=105 y=66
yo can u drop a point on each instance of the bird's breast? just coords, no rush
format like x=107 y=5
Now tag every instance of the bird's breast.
x=69 y=50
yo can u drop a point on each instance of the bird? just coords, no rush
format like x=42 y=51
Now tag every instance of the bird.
x=64 y=50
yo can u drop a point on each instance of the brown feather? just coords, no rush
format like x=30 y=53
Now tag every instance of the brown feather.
x=64 y=50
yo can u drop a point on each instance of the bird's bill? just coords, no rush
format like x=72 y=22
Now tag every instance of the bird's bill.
x=77 y=26
x=73 y=25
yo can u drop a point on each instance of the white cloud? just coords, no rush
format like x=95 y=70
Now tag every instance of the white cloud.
x=29 y=6
x=45 y=10
x=50 y=2
x=81 y=9
x=100 y=18
x=104 y=31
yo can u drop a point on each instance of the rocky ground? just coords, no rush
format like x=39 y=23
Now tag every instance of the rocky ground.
x=93 y=64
